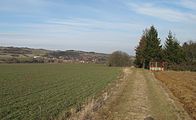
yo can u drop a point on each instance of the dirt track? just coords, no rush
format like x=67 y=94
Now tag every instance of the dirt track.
x=138 y=97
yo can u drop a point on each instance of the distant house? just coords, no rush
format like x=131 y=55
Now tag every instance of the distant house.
x=35 y=57
x=157 y=66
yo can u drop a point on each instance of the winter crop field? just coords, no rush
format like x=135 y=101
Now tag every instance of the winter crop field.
x=43 y=91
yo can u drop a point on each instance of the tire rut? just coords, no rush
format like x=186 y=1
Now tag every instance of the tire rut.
x=138 y=101
x=139 y=98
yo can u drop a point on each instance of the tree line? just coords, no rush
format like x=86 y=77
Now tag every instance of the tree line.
x=177 y=57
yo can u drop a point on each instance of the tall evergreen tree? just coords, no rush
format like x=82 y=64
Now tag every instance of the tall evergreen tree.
x=140 y=54
x=173 y=52
x=153 y=51
x=149 y=48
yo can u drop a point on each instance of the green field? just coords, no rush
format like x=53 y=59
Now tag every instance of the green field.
x=43 y=91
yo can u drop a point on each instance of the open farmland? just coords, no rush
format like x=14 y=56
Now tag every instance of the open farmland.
x=183 y=86
x=43 y=91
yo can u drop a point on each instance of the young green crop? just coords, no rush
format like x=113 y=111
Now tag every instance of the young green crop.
x=42 y=91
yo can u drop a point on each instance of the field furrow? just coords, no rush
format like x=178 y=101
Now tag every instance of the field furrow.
x=42 y=91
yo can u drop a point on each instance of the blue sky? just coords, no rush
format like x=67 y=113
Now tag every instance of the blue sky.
x=93 y=25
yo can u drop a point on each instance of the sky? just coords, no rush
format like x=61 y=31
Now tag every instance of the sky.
x=93 y=25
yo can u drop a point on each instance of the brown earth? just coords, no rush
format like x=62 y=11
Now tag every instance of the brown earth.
x=183 y=86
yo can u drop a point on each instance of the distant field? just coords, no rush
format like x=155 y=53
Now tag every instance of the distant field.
x=183 y=86
x=42 y=91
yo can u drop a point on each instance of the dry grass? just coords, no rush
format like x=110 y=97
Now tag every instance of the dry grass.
x=183 y=86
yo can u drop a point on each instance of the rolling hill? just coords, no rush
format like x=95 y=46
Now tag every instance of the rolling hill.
x=30 y=55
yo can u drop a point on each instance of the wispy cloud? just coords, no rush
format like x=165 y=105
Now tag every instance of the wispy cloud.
x=75 y=32
x=164 y=13
x=76 y=26
x=96 y=25
x=23 y=6
x=190 y=4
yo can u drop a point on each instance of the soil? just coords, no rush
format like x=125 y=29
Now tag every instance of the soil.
x=183 y=86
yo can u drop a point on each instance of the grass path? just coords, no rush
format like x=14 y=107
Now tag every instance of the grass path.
x=141 y=96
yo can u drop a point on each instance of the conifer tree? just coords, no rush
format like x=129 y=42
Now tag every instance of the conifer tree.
x=140 y=53
x=149 y=48
x=173 y=52
x=153 y=47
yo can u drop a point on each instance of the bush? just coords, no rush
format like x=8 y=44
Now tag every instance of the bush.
x=119 y=59
x=183 y=67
